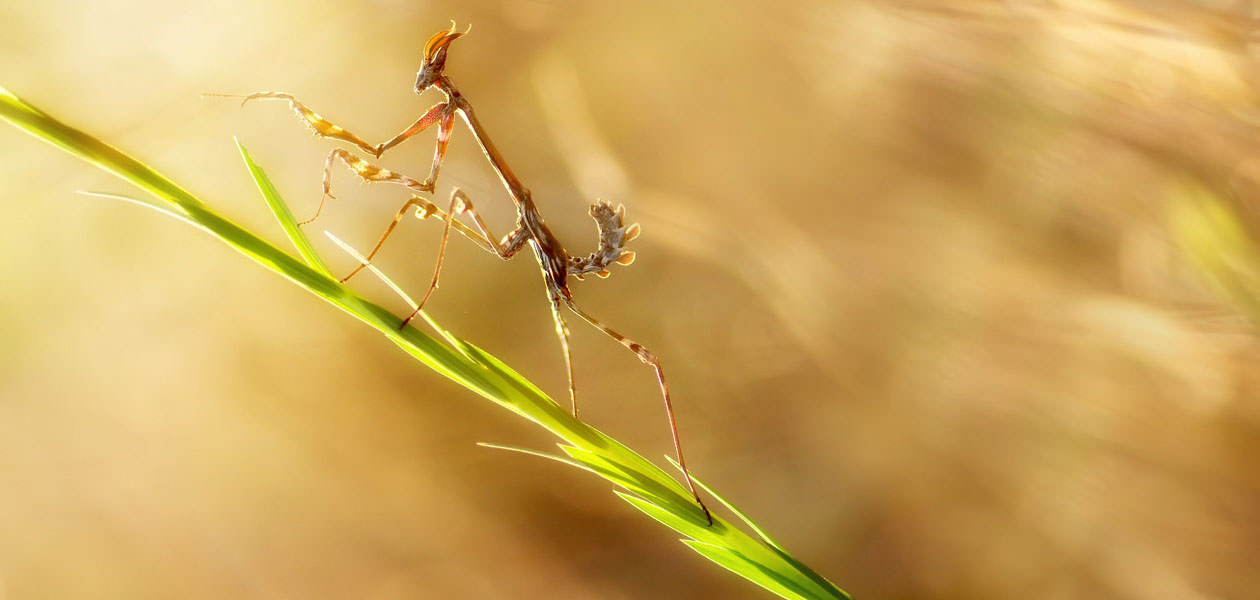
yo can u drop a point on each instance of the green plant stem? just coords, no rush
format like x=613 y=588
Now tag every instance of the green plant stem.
x=645 y=486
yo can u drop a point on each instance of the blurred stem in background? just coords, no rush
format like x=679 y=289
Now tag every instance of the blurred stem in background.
x=1216 y=241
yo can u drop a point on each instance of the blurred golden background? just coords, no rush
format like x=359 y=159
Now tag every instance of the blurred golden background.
x=956 y=299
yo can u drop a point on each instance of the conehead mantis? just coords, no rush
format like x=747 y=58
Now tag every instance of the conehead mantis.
x=555 y=263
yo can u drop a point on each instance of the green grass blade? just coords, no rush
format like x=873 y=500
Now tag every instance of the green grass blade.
x=760 y=575
x=731 y=507
x=667 y=515
x=448 y=336
x=282 y=213
x=750 y=560
x=429 y=350
x=663 y=493
x=651 y=490
x=529 y=452
x=170 y=211
x=39 y=124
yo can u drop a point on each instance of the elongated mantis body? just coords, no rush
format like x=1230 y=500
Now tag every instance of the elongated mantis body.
x=555 y=263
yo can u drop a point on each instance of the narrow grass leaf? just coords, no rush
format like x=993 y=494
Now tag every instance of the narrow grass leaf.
x=169 y=211
x=668 y=516
x=651 y=490
x=665 y=492
x=281 y=210
x=41 y=125
x=539 y=454
x=754 y=572
x=731 y=507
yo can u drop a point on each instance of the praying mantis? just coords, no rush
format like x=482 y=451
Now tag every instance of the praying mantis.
x=556 y=264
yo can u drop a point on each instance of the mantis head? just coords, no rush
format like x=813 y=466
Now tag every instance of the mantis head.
x=435 y=57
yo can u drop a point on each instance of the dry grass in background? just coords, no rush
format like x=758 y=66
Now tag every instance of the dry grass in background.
x=932 y=287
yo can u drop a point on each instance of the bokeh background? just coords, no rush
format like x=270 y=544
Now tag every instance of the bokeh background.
x=958 y=300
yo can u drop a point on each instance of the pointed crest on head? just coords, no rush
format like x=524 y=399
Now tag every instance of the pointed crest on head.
x=434 y=60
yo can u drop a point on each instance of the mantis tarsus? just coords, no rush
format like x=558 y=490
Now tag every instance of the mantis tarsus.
x=556 y=264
